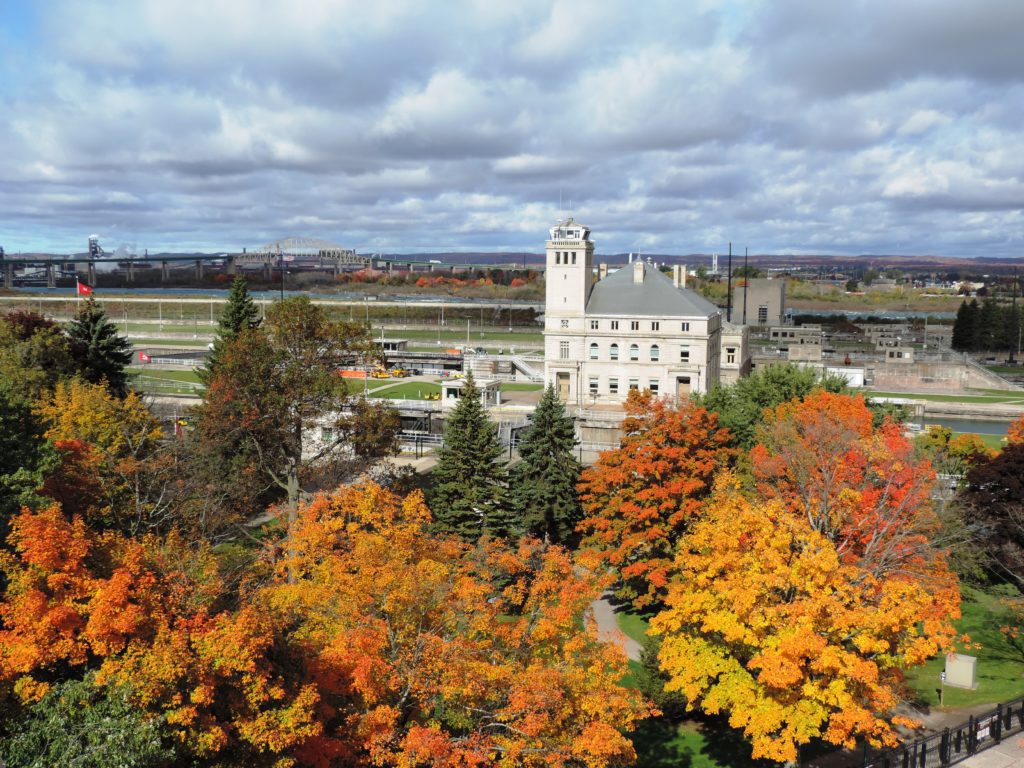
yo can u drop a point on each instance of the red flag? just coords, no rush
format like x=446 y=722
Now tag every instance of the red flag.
x=83 y=289
x=143 y=357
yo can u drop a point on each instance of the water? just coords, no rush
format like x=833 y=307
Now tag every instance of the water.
x=966 y=425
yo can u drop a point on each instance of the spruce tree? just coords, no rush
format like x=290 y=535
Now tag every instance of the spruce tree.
x=467 y=487
x=100 y=353
x=543 y=484
x=239 y=314
x=963 y=328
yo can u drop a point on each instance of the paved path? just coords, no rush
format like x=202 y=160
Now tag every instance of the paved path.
x=1009 y=754
x=608 y=629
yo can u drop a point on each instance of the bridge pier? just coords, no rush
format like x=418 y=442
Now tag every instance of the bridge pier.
x=90 y=274
x=131 y=271
x=266 y=271
x=8 y=275
x=51 y=280
x=232 y=266
x=165 y=271
x=199 y=269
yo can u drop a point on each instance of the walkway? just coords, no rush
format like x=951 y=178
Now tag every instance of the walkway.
x=608 y=629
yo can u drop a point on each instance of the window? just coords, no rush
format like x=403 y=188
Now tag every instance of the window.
x=634 y=325
x=615 y=325
x=686 y=328
x=613 y=352
x=762 y=314
x=326 y=435
x=730 y=354
x=656 y=326
x=634 y=352
x=684 y=354
x=593 y=385
x=565 y=323
x=653 y=386
x=613 y=386
x=574 y=257
x=563 y=350
x=594 y=325
x=655 y=353
x=634 y=383
x=593 y=351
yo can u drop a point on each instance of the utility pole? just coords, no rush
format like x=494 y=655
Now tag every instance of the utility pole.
x=746 y=281
x=728 y=289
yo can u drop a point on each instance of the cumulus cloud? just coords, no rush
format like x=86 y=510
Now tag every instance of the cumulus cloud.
x=787 y=126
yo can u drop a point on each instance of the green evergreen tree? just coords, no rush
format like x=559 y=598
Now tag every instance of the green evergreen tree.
x=100 y=353
x=240 y=313
x=987 y=330
x=964 y=325
x=543 y=484
x=467 y=487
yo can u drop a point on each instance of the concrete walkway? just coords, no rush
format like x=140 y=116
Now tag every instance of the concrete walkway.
x=608 y=629
x=1008 y=754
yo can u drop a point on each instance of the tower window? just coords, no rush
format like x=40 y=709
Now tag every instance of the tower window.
x=563 y=350
x=593 y=351
x=686 y=327
x=634 y=351
x=594 y=325
x=613 y=352
x=558 y=257
x=730 y=354
x=574 y=257
x=656 y=326
x=655 y=353
x=634 y=325
x=565 y=323
x=684 y=354
x=615 y=325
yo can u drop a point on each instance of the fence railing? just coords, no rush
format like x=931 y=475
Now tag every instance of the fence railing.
x=954 y=745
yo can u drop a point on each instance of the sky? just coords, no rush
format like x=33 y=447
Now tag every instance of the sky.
x=784 y=126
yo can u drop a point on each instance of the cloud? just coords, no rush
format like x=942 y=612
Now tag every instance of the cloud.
x=786 y=126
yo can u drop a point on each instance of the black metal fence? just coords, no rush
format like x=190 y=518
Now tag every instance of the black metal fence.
x=953 y=745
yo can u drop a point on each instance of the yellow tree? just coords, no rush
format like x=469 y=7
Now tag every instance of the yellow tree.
x=769 y=623
x=114 y=468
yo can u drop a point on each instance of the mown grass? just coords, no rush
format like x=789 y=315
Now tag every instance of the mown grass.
x=1005 y=397
x=520 y=386
x=410 y=390
x=186 y=376
x=1000 y=670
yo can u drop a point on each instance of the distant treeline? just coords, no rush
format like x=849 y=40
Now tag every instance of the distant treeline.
x=987 y=326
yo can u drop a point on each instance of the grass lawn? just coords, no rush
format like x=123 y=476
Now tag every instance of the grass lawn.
x=184 y=375
x=411 y=390
x=661 y=743
x=187 y=342
x=633 y=625
x=454 y=336
x=1005 y=397
x=520 y=386
x=1000 y=670
x=995 y=442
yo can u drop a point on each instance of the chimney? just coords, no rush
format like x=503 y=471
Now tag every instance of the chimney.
x=630 y=257
x=602 y=271
x=682 y=276
x=638 y=272
x=675 y=275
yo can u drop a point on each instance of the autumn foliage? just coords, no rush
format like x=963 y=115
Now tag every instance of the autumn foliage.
x=639 y=499
x=365 y=641
x=797 y=612
x=1015 y=434
x=771 y=624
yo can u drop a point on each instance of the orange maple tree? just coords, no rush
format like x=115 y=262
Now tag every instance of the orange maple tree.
x=427 y=651
x=862 y=488
x=639 y=499
x=1015 y=434
x=144 y=613
x=769 y=622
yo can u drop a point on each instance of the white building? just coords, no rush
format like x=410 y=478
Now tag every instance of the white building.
x=634 y=328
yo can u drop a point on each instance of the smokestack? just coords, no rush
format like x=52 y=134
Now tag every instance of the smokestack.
x=631 y=257
x=675 y=275
x=602 y=271
x=638 y=272
x=682 y=275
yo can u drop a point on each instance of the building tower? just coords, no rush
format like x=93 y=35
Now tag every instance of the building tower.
x=570 y=270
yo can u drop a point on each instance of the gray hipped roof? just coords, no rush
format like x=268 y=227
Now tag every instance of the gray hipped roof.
x=617 y=294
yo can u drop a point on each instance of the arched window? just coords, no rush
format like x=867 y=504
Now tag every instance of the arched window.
x=634 y=351
x=613 y=351
x=593 y=351
x=655 y=353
